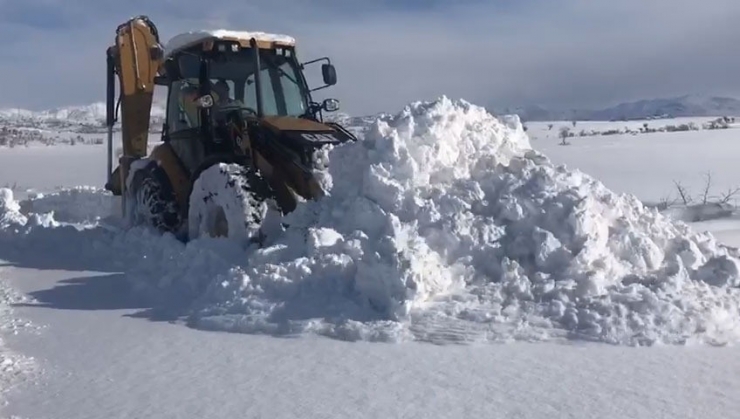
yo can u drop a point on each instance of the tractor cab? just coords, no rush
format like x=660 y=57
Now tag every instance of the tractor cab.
x=215 y=78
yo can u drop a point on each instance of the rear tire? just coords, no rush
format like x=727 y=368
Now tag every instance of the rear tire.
x=228 y=200
x=151 y=200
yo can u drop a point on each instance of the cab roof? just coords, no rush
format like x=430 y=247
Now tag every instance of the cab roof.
x=189 y=39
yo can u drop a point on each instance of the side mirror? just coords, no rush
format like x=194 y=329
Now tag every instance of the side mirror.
x=330 y=105
x=329 y=73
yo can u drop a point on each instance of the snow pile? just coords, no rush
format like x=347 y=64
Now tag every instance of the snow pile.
x=442 y=223
x=13 y=221
x=81 y=204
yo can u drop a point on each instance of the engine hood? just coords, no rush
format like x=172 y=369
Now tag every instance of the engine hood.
x=290 y=123
x=306 y=132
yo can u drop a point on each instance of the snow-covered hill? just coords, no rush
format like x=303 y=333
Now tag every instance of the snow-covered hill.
x=86 y=124
x=683 y=106
x=77 y=119
x=674 y=107
x=90 y=119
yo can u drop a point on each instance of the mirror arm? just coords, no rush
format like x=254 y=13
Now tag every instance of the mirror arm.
x=328 y=61
x=319 y=88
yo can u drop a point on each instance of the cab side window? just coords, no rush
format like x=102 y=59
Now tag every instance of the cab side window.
x=182 y=112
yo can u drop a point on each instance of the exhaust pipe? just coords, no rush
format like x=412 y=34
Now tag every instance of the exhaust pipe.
x=257 y=78
x=110 y=113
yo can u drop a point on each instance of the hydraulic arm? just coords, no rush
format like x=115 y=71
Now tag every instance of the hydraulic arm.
x=135 y=58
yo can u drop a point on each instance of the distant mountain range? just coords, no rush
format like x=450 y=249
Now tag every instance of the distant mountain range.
x=91 y=118
x=681 y=106
x=84 y=119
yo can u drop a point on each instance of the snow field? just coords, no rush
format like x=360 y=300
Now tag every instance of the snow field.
x=441 y=224
x=647 y=165
x=14 y=368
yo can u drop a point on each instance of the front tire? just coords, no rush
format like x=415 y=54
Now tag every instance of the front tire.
x=228 y=200
x=151 y=199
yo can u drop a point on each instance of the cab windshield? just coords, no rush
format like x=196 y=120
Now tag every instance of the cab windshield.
x=232 y=78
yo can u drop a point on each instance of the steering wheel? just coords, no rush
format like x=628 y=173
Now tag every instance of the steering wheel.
x=231 y=107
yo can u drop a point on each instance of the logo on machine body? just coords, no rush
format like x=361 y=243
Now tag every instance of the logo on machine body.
x=319 y=137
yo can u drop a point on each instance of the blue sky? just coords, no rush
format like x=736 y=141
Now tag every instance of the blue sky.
x=565 y=53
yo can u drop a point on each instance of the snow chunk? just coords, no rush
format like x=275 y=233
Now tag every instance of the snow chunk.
x=10 y=214
x=81 y=204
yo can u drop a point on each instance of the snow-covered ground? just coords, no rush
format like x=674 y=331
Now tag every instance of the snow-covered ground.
x=442 y=226
x=651 y=165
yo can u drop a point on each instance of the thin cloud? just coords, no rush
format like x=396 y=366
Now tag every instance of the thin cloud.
x=570 y=53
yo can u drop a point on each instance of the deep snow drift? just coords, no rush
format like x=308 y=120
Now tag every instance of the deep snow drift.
x=441 y=225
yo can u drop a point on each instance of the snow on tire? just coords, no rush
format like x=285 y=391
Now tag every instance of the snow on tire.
x=150 y=199
x=224 y=204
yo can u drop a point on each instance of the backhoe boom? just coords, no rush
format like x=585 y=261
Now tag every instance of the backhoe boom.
x=135 y=58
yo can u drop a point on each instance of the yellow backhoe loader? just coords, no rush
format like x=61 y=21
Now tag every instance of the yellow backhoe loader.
x=239 y=137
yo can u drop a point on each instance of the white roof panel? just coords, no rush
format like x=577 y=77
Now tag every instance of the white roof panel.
x=187 y=39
